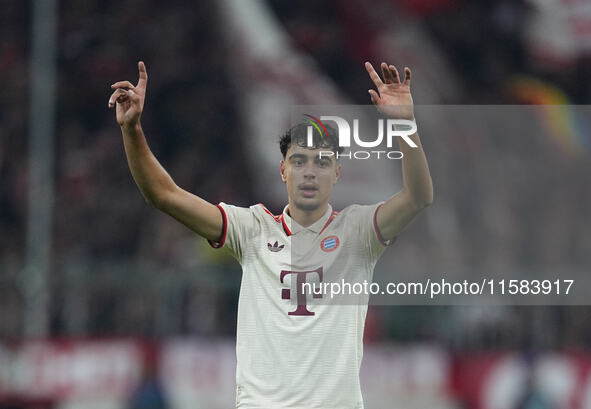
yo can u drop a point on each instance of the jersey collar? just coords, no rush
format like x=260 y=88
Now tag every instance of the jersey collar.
x=316 y=227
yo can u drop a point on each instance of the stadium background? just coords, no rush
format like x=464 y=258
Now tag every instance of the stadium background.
x=130 y=296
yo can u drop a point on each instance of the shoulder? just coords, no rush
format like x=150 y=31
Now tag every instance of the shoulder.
x=258 y=212
x=358 y=217
x=357 y=210
x=362 y=220
x=261 y=211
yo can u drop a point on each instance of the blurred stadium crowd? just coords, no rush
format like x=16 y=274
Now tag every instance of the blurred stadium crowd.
x=121 y=268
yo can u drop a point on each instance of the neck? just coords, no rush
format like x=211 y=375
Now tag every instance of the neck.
x=306 y=218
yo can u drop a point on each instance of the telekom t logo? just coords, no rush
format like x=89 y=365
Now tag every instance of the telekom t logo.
x=301 y=295
x=394 y=127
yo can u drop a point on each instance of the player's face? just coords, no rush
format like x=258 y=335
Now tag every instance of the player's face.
x=309 y=177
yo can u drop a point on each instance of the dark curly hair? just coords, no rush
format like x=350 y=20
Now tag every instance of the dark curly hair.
x=299 y=135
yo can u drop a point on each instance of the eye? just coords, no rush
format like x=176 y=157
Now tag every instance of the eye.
x=298 y=162
x=324 y=163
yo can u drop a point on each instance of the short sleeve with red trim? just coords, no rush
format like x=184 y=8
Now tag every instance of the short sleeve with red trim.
x=239 y=224
x=364 y=217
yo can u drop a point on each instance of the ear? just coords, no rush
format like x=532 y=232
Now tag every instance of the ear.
x=282 y=170
x=338 y=173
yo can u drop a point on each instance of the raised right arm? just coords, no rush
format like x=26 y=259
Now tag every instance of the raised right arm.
x=154 y=182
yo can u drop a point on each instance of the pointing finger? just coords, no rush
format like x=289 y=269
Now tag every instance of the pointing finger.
x=143 y=80
x=373 y=75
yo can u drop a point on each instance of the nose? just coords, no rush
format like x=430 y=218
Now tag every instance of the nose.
x=309 y=170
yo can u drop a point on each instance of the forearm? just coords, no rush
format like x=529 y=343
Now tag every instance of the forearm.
x=415 y=172
x=149 y=175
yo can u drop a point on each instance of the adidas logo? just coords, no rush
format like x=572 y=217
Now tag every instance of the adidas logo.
x=275 y=247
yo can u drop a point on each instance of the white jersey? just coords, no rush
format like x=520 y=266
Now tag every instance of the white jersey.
x=295 y=349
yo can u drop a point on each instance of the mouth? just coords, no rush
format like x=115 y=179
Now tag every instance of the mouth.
x=308 y=190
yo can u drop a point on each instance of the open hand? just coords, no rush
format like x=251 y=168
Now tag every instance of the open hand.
x=393 y=98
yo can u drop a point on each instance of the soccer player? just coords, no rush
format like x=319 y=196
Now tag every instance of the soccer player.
x=294 y=349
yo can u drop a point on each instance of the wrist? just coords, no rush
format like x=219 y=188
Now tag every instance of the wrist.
x=404 y=118
x=134 y=127
x=407 y=116
x=403 y=112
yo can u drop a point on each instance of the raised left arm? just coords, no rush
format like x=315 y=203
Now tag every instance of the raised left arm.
x=394 y=100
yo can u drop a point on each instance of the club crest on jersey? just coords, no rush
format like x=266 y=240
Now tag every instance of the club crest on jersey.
x=329 y=243
x=275 y=247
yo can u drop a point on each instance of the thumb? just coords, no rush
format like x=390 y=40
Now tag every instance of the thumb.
x=374 y=96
